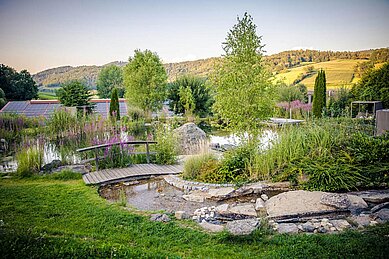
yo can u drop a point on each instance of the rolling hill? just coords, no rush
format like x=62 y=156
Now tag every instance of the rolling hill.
x=341 y=68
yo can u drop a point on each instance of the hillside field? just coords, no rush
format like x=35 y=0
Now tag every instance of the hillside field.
x=338 y=73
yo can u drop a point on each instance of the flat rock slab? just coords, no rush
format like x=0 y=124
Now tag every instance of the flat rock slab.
x=211 y=227
x=295 y=203
x=242 y=227
x=196 y=196
x=373 y=196
x=220 y=193
x=247 y=210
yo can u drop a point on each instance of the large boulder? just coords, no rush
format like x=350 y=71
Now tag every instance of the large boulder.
x=191 y=139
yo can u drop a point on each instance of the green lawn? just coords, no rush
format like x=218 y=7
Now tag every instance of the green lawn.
x=47 y=96
x=48 y=218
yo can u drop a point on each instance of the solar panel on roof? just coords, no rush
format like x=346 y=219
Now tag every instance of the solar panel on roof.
x=15 y=106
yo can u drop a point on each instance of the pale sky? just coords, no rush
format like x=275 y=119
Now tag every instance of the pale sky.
x=41 y=34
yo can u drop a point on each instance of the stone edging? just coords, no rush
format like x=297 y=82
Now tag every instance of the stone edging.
x=185 y=185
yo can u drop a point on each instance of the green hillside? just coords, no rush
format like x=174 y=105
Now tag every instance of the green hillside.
x=338 y=73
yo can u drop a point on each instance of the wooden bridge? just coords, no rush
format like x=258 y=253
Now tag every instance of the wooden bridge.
x=133 y=172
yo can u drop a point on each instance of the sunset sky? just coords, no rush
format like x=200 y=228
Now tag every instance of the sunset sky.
x=40 y=34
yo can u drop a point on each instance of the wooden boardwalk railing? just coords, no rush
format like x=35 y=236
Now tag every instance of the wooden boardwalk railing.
x=133 y=142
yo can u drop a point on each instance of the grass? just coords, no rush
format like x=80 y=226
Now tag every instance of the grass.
x=338 y=73
x=47 y=218
x=47 y=96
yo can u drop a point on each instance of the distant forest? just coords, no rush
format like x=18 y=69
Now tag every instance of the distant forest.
x=53 y=78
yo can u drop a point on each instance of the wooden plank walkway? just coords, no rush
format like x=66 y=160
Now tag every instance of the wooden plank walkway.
x=132 y=172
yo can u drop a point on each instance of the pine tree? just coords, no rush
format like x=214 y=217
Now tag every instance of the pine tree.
x=114 y=105
x=319 y=94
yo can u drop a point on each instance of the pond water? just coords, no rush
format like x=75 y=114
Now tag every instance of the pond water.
x=225 y=138
x=156 y=194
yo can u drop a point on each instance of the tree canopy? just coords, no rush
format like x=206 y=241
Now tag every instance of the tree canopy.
x=17 y=86
x=110 y=77
x=74 y=93
x=319 y=94
x=374 y=86
x=191 y=91
x=145 y=80
x=244 y=93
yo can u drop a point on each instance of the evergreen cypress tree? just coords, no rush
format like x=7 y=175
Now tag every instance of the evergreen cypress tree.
x=319 y=94
x=114 y=105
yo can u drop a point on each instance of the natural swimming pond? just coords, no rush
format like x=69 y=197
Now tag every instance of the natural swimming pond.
x=66 y=151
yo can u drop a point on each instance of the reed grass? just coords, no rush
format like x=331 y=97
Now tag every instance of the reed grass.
x=29 y=161
x=316 y=139
x=194 y=164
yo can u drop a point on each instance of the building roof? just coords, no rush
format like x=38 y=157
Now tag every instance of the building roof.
x=45 y=108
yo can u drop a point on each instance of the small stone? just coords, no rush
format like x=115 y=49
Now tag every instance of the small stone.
x=383 y=214
x=322 y=230
x=325 y=220
x=159 y=217
x=242 y=227
x=340 y=224
x=362 y=220
x=373 y=223
x=287 y=228
x=308 y=227
x=300 y=227
x=333 y=229
x=264 y=197
x=259 y=205
x=222 y=209
x=212 y=214
x=252 y=201
x=357 y=204
x=180 y=215
x=195 y=217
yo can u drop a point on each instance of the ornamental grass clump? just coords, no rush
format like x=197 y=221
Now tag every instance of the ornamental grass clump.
x=166 y=147
x=29 y=160
x=193 y=166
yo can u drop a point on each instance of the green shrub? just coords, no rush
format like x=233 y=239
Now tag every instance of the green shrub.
x=29 y=161
x=195 y=165
x=135 y=113
x=166 y=146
